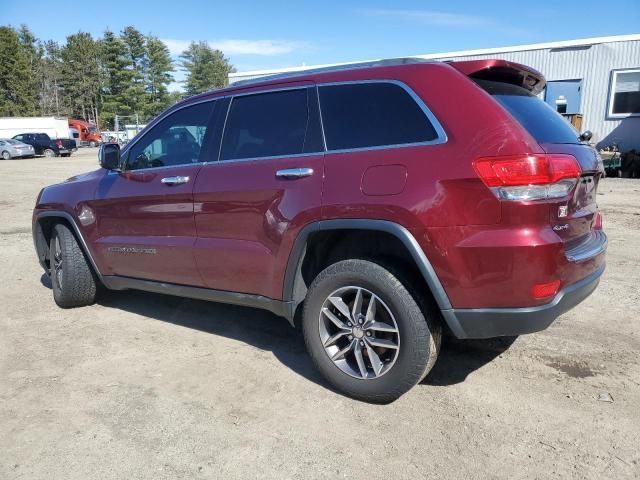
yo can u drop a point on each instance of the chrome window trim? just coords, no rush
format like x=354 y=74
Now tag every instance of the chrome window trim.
x=440 y=132
x=274 y=157
x=441 y=135
x=164 y=167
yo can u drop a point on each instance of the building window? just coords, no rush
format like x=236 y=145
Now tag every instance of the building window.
x=624 y=100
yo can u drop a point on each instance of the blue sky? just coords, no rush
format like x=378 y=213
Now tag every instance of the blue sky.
x=273 y=34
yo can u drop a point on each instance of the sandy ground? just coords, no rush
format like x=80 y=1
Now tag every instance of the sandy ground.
x=146 y=386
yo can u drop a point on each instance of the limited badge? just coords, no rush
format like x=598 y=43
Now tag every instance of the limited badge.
x=562 y=211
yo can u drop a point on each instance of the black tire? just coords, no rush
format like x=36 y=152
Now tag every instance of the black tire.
x=93 y=144
x=65 y=155
x=419 y=330
x=48 y=152
x=74 y=284
x=6 y=155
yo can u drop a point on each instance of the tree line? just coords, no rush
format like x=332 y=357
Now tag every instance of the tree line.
x=96 y=79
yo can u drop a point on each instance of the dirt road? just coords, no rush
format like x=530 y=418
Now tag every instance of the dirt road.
x=145 y=386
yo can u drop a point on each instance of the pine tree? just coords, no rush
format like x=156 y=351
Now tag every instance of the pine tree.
x=51 y=94
x=33 y=53
x=158 y=76
x=136 y=53
x=206 y=68
x=81 y=75
x=17 y=92
x=115 y=78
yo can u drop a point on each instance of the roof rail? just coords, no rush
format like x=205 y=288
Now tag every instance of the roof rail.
x=391 y=62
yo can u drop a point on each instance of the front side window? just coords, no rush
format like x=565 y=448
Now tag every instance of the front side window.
x=362 y=115
x=266 y=125
x=178 y=139
x=624 y=100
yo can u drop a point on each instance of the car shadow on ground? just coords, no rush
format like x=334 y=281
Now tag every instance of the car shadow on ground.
x=459 y=358
x=266 y=331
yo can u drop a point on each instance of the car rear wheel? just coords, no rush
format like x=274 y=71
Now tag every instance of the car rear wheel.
x=93 y=144
x=6 y=155
x=49 y=153
x=73 y=282
x=366 y=333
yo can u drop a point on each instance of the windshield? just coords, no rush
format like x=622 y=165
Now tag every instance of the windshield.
x=92 y=129
x=539 y=119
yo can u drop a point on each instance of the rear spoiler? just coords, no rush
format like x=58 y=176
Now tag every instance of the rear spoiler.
x=502 y=71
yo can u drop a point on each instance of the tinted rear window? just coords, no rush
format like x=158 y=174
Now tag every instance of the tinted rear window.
x=372 y=115
x=539 y=119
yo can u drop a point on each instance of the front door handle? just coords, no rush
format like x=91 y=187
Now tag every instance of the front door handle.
x=178 y=180
x=293 y=173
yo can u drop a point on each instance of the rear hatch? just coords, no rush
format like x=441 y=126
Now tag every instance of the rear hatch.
x=575 y=216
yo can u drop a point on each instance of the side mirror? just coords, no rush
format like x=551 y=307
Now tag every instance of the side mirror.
x=585 y=136
x=109 y=156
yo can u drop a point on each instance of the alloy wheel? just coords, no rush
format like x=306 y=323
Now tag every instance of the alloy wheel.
x=57 y=261
x=359 y=333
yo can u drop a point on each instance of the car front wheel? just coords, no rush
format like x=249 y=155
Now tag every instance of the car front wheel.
x=366 y=333
x=6 y=155
x=73 y=282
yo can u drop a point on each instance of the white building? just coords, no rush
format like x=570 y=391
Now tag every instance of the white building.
x=597 y=78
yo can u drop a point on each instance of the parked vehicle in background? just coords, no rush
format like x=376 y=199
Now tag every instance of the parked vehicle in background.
x=44 y=145
x=89 y=133
x=376 y=206
x=10 y=148
x=55 y=127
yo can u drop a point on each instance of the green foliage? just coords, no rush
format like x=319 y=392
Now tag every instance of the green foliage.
x=81 y=74
x=51 y=93
x=206 y=68
x=115 y=78
x=159 y=69
x=96 y=79
x=18 y=95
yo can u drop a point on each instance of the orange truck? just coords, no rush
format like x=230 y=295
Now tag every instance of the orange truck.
x=89 y=134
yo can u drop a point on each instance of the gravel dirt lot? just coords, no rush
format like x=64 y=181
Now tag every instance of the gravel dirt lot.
x=147 y=386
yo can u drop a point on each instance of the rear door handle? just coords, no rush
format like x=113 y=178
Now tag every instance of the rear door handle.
x=178 y=180
x=293 y=173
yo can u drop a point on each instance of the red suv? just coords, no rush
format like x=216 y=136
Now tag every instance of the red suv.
x=377 y=206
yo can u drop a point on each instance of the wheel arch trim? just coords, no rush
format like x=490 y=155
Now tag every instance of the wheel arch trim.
x=37 y=233
x=401 y=233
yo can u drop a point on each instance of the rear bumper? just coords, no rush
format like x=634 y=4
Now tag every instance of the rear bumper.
x=498 y=322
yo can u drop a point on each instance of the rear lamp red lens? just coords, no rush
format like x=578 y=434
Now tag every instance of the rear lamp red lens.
x=536 y=169
x=545 y=290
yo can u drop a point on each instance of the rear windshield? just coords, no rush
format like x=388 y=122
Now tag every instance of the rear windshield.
x=539 y=119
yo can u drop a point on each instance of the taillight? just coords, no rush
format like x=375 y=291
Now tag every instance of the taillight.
x=529 y=177
x=545 y=290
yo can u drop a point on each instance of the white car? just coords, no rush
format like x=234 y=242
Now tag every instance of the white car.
x=10 y=148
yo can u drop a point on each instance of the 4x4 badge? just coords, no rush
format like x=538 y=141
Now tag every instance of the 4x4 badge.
x=562 y=211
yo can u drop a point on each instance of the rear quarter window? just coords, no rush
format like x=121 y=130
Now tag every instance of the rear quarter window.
x=541 y=121
x=375 y=114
